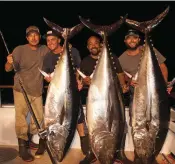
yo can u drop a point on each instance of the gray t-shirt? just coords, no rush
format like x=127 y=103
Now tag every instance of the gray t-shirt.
x=26 y=62
x=130 y=63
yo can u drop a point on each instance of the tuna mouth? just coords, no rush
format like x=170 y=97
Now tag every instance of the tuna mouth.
x=57 y=148
x=57 y=142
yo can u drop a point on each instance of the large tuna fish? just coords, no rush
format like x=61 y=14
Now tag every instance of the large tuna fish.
x=62 y=102
x=150 y=110
x=105 y=109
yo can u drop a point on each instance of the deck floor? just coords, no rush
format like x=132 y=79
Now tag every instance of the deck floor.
x=74 y=156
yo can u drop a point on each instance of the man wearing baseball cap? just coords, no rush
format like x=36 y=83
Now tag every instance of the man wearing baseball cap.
x=26 y=59
x=133 y=54
x=130 y=60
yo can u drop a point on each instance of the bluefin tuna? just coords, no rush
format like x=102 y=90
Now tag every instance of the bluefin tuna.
x=150 y=109
x=62 y=102
x=105 y=109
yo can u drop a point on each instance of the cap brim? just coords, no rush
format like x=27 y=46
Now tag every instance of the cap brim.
x=46 y=35
x=136 y=35
x=34 y=31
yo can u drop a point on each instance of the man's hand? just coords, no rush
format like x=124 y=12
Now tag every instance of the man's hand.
x=48 y=78
x=133 y=83
x=125 y=88
x=169 y=88
x=80 y=85
x=87 y=80
x=10 y=59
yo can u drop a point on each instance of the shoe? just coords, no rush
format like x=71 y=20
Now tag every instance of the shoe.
x=90 y=158
x=33 y=145
x=41 y=149
x=84 y=141
x=23 y=151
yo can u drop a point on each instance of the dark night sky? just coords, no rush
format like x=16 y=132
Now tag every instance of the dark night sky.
x=15 y=17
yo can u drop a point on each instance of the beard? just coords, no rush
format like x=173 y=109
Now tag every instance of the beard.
x=94 y=51
x=132 y=48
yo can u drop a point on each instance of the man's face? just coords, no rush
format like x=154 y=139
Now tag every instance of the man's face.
x=93 y=45
x=33 y=38
x=132 y=42
x=52 y=42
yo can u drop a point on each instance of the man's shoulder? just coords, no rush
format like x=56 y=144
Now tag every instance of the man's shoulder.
x=87 y=58
x=19 y=48
x=74 y=50
x=123 y=55
x=43 y=47
x=49 y=54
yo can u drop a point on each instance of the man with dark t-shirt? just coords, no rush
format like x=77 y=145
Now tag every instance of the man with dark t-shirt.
x=87 y=67
x=53 y=42
x=88 y=63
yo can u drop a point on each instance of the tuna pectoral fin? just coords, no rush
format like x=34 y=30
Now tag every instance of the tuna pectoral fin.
x=147 y=26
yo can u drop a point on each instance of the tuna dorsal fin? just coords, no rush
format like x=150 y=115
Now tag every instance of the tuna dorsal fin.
x=108 y=29
x=65 y=32
x=147 y=26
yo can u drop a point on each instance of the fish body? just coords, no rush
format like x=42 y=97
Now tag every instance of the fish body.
x=105 y=117
x=62 y=102
x=150 y=108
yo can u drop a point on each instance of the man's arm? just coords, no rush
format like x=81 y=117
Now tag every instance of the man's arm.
x=163 y=67
x=164 y=71
x=76 y=57
x=122 y=81
x=121 y=75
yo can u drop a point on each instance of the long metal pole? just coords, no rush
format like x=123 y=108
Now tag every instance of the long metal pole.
x=28 y=103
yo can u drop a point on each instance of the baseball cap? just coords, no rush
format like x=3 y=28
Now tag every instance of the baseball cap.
x=132 y=32
x=32 y=29
x=51 y=33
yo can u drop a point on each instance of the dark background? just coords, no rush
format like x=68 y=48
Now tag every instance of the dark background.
x=15 y=17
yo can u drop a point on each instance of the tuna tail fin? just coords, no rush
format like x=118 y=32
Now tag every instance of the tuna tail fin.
x=147 y=26
x=54 y=26
x=108 y=29
x=65 y=32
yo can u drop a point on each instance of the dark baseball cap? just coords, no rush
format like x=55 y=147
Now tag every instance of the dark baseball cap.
x=132 y=32
x=52 y=33
x=32 y=29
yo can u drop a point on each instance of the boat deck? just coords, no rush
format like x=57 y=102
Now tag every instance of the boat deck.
x=74 y=156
